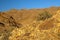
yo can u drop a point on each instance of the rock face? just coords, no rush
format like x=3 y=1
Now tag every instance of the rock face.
x=26 y=24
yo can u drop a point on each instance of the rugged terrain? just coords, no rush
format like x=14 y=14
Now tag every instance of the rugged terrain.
x=32 y=24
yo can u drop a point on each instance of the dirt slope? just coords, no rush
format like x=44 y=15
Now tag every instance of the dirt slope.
x=33 y=24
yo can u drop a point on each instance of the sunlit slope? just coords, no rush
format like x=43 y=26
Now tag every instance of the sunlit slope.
x=47 y=30
x=29 y=15
x=33 y=24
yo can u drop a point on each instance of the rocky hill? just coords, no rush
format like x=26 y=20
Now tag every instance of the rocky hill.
x=30 y=24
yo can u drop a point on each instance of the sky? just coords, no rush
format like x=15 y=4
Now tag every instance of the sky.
x=27 y=4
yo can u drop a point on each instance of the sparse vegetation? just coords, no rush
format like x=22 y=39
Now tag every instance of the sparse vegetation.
x=12 y=22
x=22 y=25
x=43 y=16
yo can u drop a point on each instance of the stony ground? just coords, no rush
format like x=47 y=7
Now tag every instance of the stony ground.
x=17 y=27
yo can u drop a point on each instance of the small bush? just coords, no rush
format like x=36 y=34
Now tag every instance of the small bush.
x=2 y=24
x=43 y=16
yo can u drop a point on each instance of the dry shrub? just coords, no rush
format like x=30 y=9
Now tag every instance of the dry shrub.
x=43 y=16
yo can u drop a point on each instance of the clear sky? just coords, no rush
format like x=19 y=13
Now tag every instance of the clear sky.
x=29 y=4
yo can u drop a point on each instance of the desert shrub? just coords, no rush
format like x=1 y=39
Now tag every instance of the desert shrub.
x=43 y=16
x=13 y=23
x=2 y=24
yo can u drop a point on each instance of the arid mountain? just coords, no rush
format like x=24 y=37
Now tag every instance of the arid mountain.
x=30 y=24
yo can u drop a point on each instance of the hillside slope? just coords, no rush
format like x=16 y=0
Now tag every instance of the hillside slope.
x=33 y=24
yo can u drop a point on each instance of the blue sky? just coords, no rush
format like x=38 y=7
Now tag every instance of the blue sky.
x=27 y=4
